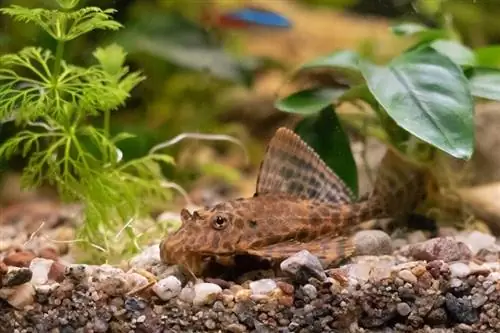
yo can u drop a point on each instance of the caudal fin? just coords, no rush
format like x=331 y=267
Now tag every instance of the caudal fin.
x=400 y=186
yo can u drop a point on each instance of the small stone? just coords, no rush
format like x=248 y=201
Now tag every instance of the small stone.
x=476 y=240
x=19 y=259
x=441 y=248
x=417 y=236
x=205 y=293
x=459 y=270
x=19 y=296
x=242 y=295
x=437 y=317
x=167 y=288
x=310 y=291
x=236 y=328
x=48 y=253
x=408 y=276
x=57 y=272
x=372 y=242
x=263 y=286
x=478 y=300
x=40 y=268
x=403 y=309
x=210 y=324
x=302 y=266
x=187 y=294
x=418 y=270
x=461 y=309
x=287 y=288
x=286 y=300
x=148 y=257
x=16 y=276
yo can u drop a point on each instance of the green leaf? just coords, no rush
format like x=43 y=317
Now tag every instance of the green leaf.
x=488 y=56
x=344 y=62
x=423 y=32
x=485 y=83
x=309 y=101
x=324 y=133
x=457 y=52
x=428 y=95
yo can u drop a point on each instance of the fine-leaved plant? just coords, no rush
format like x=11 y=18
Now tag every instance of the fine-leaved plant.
x=51 y=101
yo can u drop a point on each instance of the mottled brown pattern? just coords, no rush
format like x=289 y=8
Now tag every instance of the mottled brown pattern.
x=299 y=204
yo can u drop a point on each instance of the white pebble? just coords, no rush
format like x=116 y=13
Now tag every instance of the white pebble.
x=205 y=293
x=167 y=288
x=310 y=291
x=19 y=296
x=477 y=240
x=494 y=276
x=187 y=294
x=40 y=268
x=147 y=258
x=459 y=269
x=262 y=287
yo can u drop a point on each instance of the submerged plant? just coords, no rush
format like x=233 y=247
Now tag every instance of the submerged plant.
x=52 y=100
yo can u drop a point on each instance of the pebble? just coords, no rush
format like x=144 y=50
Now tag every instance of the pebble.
x=310 y=291
x=16 y=276
x=148 y=257
x=187 y=294
x=408 y=276
x=461 y=309
x=263 y=286
x=40 y=268
x=476 y=240
x=302 y=266
x=205 y=293
x=19 y=259
x=372 y=242
x=167 y=288
x=403 y=309
x=459 y=269
x=19 y=296
x=440 y=248
x=478 y=300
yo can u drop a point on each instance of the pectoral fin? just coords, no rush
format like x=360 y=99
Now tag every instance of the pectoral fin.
x=328 y=250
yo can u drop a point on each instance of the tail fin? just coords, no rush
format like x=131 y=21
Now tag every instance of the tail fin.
x=400 y=186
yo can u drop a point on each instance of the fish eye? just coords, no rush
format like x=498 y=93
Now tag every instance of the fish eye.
x=219 y=222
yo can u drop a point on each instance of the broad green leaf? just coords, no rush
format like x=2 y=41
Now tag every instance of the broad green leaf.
x=488 y=56
x=309 y=101
x=485 y=83
x=408 y=29
x=324 y=133
x=418 y=30
x=344 y=62
x=428 y=95
x=457 y=52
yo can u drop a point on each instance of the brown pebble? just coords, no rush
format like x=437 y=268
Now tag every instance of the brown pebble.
x=19 y=259
x=48 y=253
x=425 y=280
x=286 y=300
x=286 y=287
x=418 y=270
x=220 y=282
x=56 y=272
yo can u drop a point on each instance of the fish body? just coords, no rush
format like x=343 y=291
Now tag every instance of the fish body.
x=247 y=17
x=299 y=203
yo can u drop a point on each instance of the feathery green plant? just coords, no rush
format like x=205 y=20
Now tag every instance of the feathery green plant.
x=51 y=100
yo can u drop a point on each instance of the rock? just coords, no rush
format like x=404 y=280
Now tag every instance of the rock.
x=302 y=266
x=408 y=276
x=57 y=272
x=440 y=248
x=287 y=288
x=372 y=242
x=150 y=256
x=477 y=300
x=16 y=276
x=19 y=296
x=476 y=240
x=403 y=309
x=19 y=259
x=205 y=293
x=48 y=253
x=310 y=291
x=40 y=268
x=459 y=270
x=461 y=309
x=417 y=236
x=187 y=294
x=489 y=254
x=262 y=287
x=167 y=288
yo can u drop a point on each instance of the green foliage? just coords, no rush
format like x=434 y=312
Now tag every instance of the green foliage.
x=51 y=101
x=423 y=99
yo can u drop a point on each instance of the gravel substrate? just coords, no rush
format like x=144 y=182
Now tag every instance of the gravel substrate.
x=384 y=293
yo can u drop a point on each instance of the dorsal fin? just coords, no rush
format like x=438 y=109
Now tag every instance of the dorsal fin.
x=291 y=166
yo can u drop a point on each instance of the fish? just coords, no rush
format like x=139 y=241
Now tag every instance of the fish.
x=299 y=204
x=246 y=17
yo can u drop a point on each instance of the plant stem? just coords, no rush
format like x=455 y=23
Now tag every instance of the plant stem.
x=107 y=118
x=58 y=60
